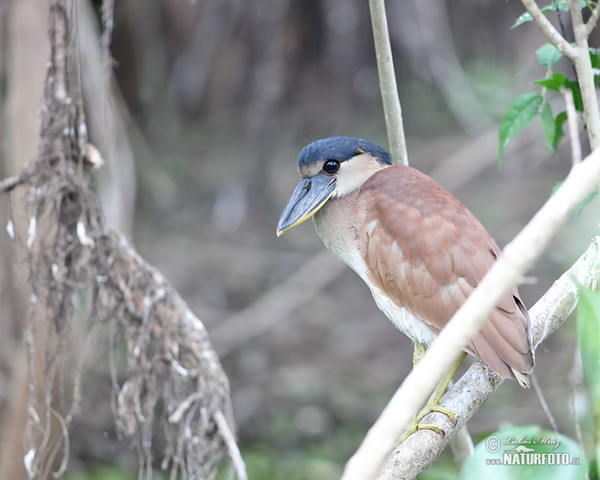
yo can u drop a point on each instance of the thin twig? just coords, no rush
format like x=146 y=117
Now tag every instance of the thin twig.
x=544 y=404
x=548 y=29
x=10 y=183
x=229 y=439
x=517 y=257
x=593 y=20
x=461 y=446
x=387 y=83
x=585 y=75
x=65 y=435
x=572 y=126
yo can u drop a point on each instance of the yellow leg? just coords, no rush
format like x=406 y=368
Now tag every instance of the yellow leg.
x=418 y=352
x=432 y=404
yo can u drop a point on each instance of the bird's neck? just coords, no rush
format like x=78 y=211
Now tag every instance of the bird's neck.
x=337 y=224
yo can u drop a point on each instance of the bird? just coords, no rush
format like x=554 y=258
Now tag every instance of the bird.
x=419 y=249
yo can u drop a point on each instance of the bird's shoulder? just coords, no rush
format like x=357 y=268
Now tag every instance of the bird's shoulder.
x=432 y=237
x=419 y=214
x=404 y=187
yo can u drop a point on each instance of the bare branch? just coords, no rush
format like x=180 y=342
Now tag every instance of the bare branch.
x=593 y=20
x=517 y=257
x=387 y=83
x=585 y=75
x=234 y=451
x=548 y=29
x=572 y=126
x=9 y=183
x=462 y=446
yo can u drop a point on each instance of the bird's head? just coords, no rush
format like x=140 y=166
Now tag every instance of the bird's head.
x=330 y=168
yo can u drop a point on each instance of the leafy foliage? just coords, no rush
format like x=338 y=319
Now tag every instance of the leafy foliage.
x=549 y=126
x=520 y=113
x=588 y=335
x=530 y=105
x=555 y=6
x=548 y=56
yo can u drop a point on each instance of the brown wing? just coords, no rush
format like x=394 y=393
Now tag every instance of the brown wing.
x=428 y=252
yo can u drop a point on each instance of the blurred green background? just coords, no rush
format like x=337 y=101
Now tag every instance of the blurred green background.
x=216 y=99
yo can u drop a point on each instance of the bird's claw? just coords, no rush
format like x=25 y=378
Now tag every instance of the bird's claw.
x=436 y=408
x=416 y=426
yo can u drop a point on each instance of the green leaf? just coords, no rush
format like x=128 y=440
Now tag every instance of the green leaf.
x=516 y=452
x=556 y=81
x=560 y=119
x=526 y=17
x=548 y=125
x=548 y=55
x=574 y=87
x=555 y=6
x=523 y=18
x=588 y=336
x=519 y=114
x=594 y=57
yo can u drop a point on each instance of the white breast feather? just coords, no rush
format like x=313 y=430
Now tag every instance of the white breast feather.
x=402 y=318
x=349 y=253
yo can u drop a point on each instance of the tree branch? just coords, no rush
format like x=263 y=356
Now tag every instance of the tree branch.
x=8 y=184
x=548 y=29
x=387 y=83
x=593 y=20
x=585 y=75
x=517 y=257
x=579 y=56
x=572 y=125
x=419 y=450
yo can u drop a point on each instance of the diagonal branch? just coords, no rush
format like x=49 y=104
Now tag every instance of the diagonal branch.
x=420 y=450
x=517 y=257
x=552 y=33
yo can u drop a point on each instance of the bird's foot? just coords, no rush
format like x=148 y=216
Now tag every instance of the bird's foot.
x=426 y=410
x=436 y=407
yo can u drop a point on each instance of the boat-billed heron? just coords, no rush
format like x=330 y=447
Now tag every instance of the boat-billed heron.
x=417 y=247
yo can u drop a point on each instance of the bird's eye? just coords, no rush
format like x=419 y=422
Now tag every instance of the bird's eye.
x=331 y=166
